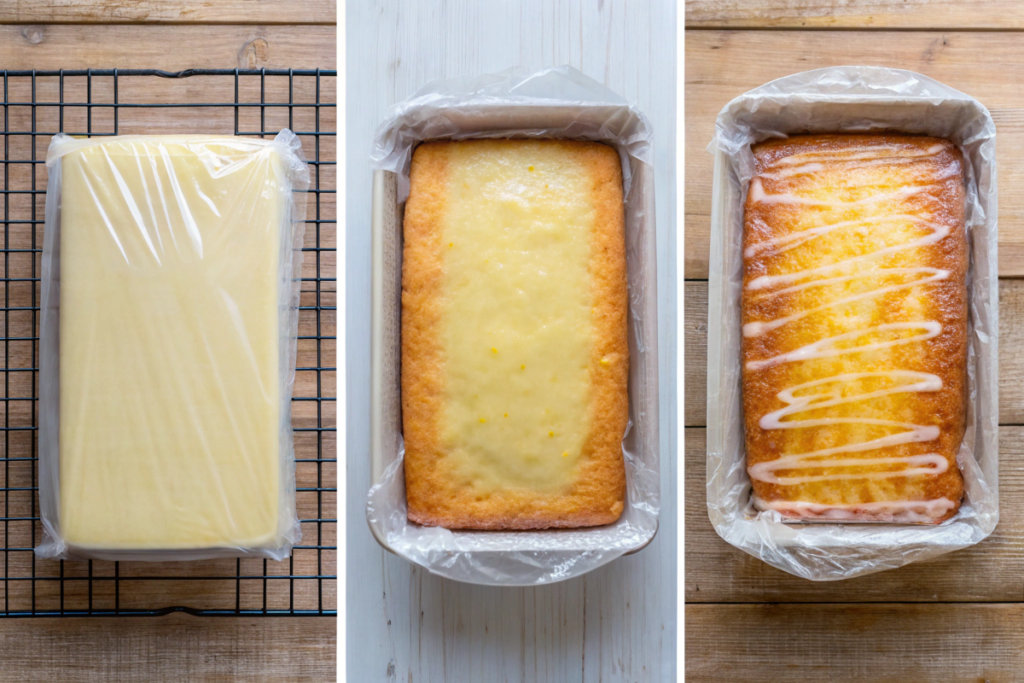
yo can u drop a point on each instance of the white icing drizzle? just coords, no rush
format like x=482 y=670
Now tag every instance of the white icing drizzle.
x=843 y=389
x=907 y=511
x=755 y=284
x=831 y=394
x=758 y=194
x=810 y=167
x=823 y=348
x=793 y=240
x=817 y=166
x=783 y=243
x=864 y=153
x=755 y=329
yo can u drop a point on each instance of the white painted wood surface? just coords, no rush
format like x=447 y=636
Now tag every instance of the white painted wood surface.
x=617 y=623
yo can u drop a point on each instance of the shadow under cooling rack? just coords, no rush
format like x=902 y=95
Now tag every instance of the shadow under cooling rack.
x=39 y=104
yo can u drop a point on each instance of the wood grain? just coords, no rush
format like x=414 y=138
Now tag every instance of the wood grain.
x=854 y=643
x=171 y=48
x=955 y=618
x=955 y=15
x=157 y=12
x=79 y=34
x=695 y=343
x=616 y=623
x=720 y=573
x=992 y=571
x=176 y=647
x=180 y=584
x=721 y=65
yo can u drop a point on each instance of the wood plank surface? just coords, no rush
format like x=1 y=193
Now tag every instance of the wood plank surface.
x=618 y=622
x=171 y=48
x=992 y=571
x=160 y=11
x=180 y=585
x=79 y=34
x=854 y=643
x=956 y=618
x=695 y=343
x=175 y=647
x=721 y=65
x=954 y=15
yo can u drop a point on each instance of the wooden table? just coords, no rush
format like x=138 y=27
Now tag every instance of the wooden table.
x=172 y=36
x=616 y=623
x=958 y=618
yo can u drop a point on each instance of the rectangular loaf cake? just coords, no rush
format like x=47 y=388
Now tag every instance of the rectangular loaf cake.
x=169 y=344
x=514 y=352
x=854 y=311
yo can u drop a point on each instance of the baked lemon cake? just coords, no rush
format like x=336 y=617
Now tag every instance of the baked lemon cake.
x=854 y=312
x=514 y=349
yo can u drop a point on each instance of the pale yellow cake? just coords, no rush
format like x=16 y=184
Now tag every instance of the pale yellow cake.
x=514 y=351
x=169 y=351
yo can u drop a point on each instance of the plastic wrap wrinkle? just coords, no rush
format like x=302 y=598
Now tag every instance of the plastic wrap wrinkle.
x=849 y=99
x=556 y=102
x=177 y=421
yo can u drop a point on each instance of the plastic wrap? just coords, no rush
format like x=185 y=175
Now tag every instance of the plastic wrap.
x=551 y=103
x=170 y=293
x=849 y=99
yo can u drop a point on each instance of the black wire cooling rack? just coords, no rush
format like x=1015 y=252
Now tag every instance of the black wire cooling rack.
x=36 y=106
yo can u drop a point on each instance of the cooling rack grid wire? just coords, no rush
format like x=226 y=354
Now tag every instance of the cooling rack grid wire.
x=37 y=105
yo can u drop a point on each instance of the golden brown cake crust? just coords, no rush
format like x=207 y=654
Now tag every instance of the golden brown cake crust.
x=889 y=209
x=597 y=495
